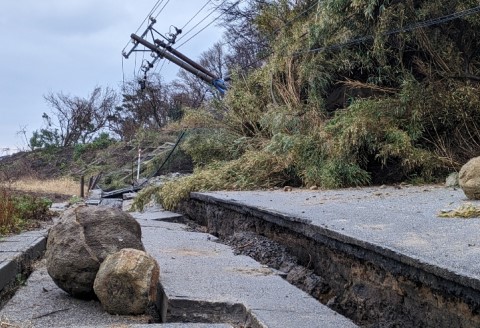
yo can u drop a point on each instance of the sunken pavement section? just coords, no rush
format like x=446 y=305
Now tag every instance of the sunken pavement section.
x=385 y=255
x=201 y=280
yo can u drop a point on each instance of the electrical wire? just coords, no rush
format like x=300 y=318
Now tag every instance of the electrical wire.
x=411 y=27
x=135 y=66
x=270 y=52
x=198 y=12
x=408 y=28
x=206 y=26
x=123 y=73
x=155 y=7
x=161 y=67
x=166 y=3
x=204 y=18
x=188 y=22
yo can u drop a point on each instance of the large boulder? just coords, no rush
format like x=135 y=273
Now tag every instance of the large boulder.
x=127 y=281
x=82 y=239
x=469 y=178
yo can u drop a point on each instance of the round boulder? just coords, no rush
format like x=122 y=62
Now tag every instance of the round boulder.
x=127 y=281
x=82 y=239
x=469 y=178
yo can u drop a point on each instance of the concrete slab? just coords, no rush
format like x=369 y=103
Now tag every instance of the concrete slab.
x=40 y=303
x=402 y=224
x=160 y=216
x=17 y=252
x=8 y=271
x=196 y=268
x=200 y=278
x=18 y=244
x=59 y=207
x=167 y=325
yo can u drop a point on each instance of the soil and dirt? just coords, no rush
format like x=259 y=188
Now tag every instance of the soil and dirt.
x=277 y=256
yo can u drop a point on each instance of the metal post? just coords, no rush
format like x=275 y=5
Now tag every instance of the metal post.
x=90 y=184
x=82 y=186
x=138 y=165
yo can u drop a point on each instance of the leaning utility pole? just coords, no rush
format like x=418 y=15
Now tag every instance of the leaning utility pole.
x=160 y=49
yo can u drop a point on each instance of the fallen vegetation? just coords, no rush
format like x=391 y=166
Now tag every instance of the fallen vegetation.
x=353 y=93
x=465 y=211
x=341 y=93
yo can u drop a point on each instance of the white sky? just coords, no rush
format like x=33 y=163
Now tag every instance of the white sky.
x=74 y=45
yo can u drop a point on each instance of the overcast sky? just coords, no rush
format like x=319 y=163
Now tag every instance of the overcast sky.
x=74 y=45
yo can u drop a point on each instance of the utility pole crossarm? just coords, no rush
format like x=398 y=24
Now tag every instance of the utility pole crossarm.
x=163 y=53
x=160 y=49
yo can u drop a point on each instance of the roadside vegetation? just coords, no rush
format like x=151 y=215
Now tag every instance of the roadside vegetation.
x=61 y=186
x=331 y=93
x=20 y=212
x=351 y=93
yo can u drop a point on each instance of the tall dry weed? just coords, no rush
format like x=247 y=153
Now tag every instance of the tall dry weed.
x=62 y=186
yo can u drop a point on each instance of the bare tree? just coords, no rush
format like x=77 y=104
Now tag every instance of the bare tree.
x=76 y=120
x=192 y=91
x=146 y=107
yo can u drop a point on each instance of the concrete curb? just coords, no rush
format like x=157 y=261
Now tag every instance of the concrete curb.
x=17 y=254
x=396 y=232
x=303 y=225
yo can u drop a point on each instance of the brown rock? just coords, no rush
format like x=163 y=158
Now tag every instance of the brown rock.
x=127 y=282
x=82 y=239
x=469 y=178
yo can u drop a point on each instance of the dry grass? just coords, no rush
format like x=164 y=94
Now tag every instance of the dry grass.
x=62 y=186
x=465 y=211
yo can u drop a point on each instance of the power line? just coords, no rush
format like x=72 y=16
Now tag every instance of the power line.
x=166 y=3
x=408 y=28
x=155 y=7
x=206 y=26
x=123 y=72
x=200 y=22
x=198 y=12
x=411 y=27
x=161 y=67
x=270 y=52
x=183 y=27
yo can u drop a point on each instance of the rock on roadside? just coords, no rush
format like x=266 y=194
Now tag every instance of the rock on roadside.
x=82 y=239
x=127 y=282
x=469 y=178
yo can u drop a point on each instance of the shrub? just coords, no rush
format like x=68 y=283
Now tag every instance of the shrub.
x=323 y=110
x=103 y=141
x=18 y=212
